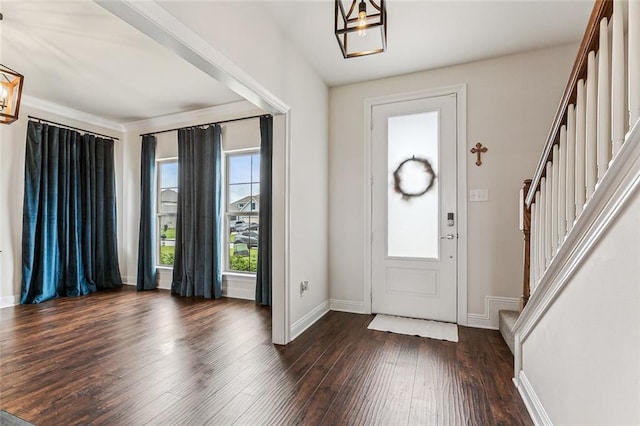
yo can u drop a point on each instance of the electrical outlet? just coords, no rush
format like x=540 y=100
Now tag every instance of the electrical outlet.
x=304 y=286
x=477 y=195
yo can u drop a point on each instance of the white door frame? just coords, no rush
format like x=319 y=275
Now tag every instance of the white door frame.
x=151 y=19
x=461 y=155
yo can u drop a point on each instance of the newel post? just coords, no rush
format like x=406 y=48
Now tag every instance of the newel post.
x=525 y=217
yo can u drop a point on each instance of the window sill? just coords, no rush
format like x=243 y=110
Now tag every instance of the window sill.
x=164 y=268
x=240 y=275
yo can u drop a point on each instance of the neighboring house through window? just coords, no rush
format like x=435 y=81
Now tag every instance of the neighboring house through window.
x=242 y=210
x=166 y=208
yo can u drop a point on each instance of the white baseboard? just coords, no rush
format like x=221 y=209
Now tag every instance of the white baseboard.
x=129 y=280
x=7 y=301
x=239 y=287
x=347 y=306
x=492 y=304
x=164 y=276
x=236 y=287
x=298 y=327
x=531 y=401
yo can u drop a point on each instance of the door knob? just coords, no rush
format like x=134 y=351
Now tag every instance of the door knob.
x=448 y=237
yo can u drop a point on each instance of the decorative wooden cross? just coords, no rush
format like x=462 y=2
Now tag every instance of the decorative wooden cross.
x=479 y=150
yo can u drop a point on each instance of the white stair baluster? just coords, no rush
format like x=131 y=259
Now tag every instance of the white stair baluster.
x=532 y=248
x=618 y=78
x=604 y=101
x=580 y=145
x=570 y=209
x=539 y=242
x=554 y=200
x=634 y=61
x=547 y=219
x=562 y=187
x=543 y=225
x=592 y=125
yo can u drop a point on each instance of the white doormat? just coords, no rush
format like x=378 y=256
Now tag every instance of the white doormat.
x=415 y=327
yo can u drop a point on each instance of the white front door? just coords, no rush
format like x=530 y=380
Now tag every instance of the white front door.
x=414 y=241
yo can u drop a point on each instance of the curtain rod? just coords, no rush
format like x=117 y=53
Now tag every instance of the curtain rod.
x=71 y=127
x=206 y=124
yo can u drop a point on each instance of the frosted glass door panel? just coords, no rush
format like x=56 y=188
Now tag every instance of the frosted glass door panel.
x=412 y=223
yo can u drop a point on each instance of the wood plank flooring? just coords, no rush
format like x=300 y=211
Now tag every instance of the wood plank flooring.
x=129 y=358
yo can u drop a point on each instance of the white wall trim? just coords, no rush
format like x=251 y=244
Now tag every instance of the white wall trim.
x=7 y=301
x=128 y=280
x=221 y=112
x=283 y=335
x=298 y=327
x=234 y=287
x=347 y=306
x=620 y=182
x=71 y=113
x=163 y=279
x=461 y=91
x=461 y=121
x=239 y=287
x=235 y=292
x=492 y=305
x=531 y=401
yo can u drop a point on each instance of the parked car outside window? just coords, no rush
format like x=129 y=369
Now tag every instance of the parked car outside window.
x=248 y=238
x=237 y=224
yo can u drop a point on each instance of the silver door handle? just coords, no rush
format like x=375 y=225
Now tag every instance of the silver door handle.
x=448 y=237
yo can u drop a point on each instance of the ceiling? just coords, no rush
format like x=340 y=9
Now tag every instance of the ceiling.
x=79 y=55
x=428 y=34
x=76 y=54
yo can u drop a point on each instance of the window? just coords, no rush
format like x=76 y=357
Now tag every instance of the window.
x=242 y=186
x=166 y=209
x=242 y=190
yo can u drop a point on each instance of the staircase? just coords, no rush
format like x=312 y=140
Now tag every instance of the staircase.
x=577 y=337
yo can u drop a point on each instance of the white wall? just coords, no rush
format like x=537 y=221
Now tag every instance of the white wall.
x=582 y=359
x=12 y=157
x=511 y=101
x=269 y=57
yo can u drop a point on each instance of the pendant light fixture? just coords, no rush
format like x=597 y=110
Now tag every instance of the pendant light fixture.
x=10 y=93
x=362 y=30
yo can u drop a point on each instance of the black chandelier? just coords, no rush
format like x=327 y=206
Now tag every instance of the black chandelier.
x=363 y=29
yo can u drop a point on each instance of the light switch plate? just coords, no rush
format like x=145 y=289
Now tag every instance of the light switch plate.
x=478 y=195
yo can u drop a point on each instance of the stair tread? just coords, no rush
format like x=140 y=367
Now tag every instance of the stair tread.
x=507 y=320
x=509 y=317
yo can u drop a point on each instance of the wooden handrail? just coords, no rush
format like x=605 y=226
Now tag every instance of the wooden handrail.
x=590 y=42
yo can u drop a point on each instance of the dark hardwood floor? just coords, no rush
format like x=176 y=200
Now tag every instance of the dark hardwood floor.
x=128 y=358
